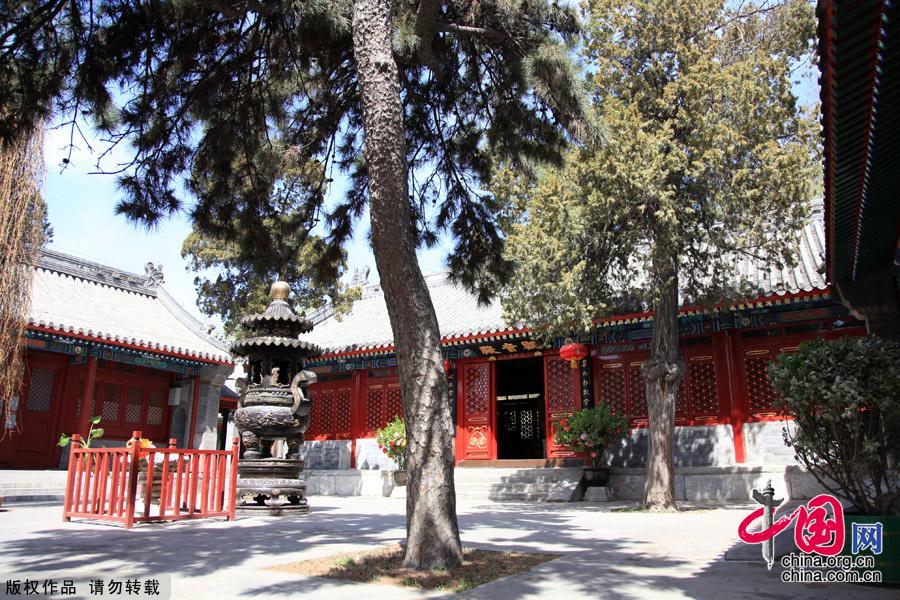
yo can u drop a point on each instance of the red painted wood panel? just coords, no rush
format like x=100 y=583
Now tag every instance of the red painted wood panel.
x=477 y=415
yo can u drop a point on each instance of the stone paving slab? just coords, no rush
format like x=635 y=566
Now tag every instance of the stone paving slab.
x=604 y=554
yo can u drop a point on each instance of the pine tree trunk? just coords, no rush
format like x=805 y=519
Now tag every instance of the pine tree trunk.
x=662 y=374
x=432 y=530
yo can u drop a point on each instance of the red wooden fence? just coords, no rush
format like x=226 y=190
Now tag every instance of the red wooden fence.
x=103 y=483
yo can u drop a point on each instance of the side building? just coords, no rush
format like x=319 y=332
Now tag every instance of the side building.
x=510 y=391
x=111 y=343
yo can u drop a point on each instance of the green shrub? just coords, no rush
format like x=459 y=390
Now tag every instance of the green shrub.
x=591 y=430
x=392 y=441
x=844 y=396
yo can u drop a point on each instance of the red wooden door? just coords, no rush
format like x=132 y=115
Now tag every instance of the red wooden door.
x=36 y=437
x=560 y=385
x=477 y=418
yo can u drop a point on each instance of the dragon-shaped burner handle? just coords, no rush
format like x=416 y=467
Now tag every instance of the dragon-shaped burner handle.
x=305 y=377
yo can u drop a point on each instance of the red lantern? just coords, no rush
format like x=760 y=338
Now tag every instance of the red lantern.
x=574 y=353
x=446 y=366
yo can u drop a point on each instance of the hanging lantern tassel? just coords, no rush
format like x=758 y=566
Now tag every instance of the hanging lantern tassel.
x=574 y=353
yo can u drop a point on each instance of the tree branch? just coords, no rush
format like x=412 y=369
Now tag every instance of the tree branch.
x=470 y=30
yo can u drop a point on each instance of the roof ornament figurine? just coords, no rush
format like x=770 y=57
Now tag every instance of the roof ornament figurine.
x=274 y=407
x=155 y=277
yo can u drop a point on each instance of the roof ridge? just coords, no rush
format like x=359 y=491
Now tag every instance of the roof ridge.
x=188 y=320
x=95 y=272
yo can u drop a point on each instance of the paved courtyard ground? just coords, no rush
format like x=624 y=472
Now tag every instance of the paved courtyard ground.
x=604 y=554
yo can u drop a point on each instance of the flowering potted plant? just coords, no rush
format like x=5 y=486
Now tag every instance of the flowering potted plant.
x=592 y=431
x=146 y=444
x=392 y=441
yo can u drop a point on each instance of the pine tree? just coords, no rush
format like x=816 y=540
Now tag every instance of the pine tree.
x=416 y=111
x=708 y=160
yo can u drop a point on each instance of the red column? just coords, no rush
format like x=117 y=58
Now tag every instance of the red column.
x=195 y=406
x=357 y=415
x=737 y=416
x=87 y=396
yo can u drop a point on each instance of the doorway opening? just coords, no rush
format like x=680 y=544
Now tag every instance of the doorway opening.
x=520 y=409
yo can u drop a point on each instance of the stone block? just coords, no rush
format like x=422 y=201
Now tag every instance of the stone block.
x=732 y=486
x=802 y=485
x=597 y=494
x=562 y=491
x=630 y=486
x=326 y=454
x=368 y=456
x=695 y=446
x=764 y=443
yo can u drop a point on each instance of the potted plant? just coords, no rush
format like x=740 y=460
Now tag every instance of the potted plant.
x=143 y=467
x=842 y=396
x=392 y=441
x=94 y=433
x=592 y=431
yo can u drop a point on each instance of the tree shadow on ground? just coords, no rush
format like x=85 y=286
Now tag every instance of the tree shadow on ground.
x=595 y=561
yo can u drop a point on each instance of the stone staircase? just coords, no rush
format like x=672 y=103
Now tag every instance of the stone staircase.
x=32 y=486
x=516 y=484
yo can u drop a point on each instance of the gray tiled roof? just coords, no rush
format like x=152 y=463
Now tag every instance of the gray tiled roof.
x=368 y=327
x=73 y=295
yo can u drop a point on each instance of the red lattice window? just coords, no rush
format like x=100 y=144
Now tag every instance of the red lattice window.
x=681 y=400
x=622 y=385
x=560 y=388
x=112 y=396
x=157 y=407
x=383 y=404
x=760 y=394
x=703 y=387
x=374 y=402
x=612 y=387
x=330 y=414
x=478 y=397
x=126 y=400
x=637 y=391
x=134 y=401
x=40 y=390
x=393 y=403
x=342 y=400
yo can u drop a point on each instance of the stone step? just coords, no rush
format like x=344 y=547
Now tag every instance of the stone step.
x=512 y=485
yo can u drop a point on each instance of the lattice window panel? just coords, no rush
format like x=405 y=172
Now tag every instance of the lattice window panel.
x=374 y=403
x=40 y=390
x=704 y=393
x=341 y=410
x=760 y=394
x=681 y=400
x=560 y=388
x=134 y=398
x=156 y=408
x=477 y=378
x=528 y=425
x=393 y=405
x=612 y=387
x=321 y=417
x=93 y=398
x=111 y=402
x=637 y=392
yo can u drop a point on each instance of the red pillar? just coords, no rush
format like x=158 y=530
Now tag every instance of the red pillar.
x=737 y=416
x=87 y=396
x=357 y=415
x=195 y=406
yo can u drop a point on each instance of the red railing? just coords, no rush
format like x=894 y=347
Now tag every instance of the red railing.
x=118 y=484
